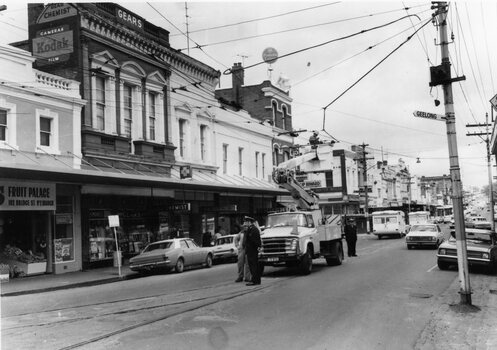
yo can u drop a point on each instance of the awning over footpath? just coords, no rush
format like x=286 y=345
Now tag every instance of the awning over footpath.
x=200 y=179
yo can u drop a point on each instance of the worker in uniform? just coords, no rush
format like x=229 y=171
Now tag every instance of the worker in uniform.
x=351 y=237
x=252 y=243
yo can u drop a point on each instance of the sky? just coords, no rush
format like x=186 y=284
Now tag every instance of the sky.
x=356 y=70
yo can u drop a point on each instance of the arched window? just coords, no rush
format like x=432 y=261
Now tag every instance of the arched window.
x=276 y=150
x=284 y=117
x=274 y=107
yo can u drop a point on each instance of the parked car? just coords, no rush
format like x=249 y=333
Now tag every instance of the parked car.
x=177 y=254
x=224 y=249
x=480 y=246
x=424 y=235
x=478 y=222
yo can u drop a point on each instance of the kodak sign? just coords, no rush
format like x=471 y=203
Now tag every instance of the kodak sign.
x=53 y=45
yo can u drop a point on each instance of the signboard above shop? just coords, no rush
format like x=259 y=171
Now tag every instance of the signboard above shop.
x=27 y=196
x=53 y=12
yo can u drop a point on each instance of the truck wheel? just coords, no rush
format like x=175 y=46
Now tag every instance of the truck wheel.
x=442 y=265
x=337 y=260
x=261 y=269
x=306 y=263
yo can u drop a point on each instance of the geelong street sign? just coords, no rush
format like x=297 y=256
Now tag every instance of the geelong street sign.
x=427 y=115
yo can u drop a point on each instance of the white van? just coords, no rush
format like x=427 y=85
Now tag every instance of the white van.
x=389 y=223
x=419 y=217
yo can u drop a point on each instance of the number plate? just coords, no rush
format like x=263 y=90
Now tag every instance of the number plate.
x=272 y=259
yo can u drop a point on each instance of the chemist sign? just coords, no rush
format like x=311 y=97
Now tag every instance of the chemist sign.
x=27 y=196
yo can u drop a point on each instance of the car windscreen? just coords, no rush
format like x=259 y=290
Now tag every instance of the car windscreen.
x=158 y=245
x=287 y=220
x=424 y=228
x=224 y=240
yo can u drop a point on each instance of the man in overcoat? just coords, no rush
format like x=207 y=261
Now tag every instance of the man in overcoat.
x=351 y=237
x=252 y=243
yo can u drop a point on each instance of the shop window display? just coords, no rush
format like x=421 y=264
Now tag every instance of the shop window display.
x=64 y=234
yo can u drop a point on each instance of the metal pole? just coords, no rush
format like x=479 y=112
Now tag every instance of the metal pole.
x=455 y=171
x=490 y=178
x=118 y=252
x=365 y=179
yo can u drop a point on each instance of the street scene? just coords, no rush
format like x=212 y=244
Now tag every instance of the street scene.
x=240 y=175
x=382 y=299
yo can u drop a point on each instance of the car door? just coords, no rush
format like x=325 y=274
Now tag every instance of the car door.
x=195 y=251
x=440 y=237
x=188 y=254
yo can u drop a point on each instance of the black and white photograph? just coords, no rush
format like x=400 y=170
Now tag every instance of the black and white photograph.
x=253 y=175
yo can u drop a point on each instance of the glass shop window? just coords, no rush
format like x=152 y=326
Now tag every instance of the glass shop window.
x=64 y=231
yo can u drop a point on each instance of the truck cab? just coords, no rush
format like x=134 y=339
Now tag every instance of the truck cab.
x=294 y=238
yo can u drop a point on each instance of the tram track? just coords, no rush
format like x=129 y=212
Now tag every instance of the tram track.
x=56 y=313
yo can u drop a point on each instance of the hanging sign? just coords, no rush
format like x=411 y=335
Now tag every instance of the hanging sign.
x=27 y=196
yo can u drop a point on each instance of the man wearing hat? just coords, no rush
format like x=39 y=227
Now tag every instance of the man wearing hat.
x=350 y=231
x=252 y=243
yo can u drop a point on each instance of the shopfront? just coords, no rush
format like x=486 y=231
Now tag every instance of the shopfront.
x=38 y=227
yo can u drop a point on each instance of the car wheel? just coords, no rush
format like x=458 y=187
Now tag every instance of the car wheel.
x=379 y=236
x=208 y=261
x=409 y=247
x=442 y=265
x=180 y=265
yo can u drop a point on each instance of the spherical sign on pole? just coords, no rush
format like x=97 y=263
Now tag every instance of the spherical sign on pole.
x=270 y=55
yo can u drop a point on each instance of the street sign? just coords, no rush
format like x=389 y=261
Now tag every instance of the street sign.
x=493 y=102
x=427 y=115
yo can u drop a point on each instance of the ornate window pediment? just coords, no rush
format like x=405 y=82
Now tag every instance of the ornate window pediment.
x=103 y=58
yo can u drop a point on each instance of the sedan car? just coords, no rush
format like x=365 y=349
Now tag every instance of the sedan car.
x=481 y=250
x=424 y=235
x=177 y=254
x=224 y=249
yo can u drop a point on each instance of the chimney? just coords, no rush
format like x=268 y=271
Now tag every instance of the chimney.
x=238 y=80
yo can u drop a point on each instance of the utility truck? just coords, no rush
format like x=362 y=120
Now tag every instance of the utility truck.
x=302 y=233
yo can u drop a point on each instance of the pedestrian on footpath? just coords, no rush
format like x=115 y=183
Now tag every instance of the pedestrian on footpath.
x=242 y=263
x=252 y=243
x=351 y=237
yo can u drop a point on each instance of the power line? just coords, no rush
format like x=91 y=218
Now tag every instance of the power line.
x=228 y=71
x=375 y=66
x=350 y=57
x=258 y=19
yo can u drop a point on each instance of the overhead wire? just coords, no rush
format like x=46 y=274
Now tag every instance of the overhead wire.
x=351 y=57
x=486 y=46
x=228 y=71
x=424 y=47
x=376 y=65
x=257 y=19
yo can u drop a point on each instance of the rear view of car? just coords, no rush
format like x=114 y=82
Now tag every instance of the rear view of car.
x=224 y=249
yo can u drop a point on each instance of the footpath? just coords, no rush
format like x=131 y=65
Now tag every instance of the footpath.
x=452 y=326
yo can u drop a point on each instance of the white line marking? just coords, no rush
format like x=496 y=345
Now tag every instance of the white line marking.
x=430 y=270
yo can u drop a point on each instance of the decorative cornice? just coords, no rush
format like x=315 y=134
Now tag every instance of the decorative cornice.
x=134 y=40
